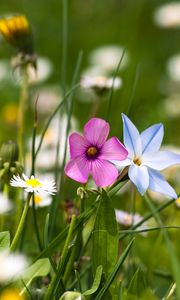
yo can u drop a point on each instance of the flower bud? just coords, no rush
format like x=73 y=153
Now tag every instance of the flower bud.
x=9 y=164
x=72 y=296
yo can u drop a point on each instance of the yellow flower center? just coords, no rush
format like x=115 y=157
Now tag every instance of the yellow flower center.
x=37 y=199
x=137 y=161
x=92 y=151
x=33 y=182
x=11 y=294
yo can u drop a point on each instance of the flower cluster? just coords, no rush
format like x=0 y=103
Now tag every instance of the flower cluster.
x=92 y=154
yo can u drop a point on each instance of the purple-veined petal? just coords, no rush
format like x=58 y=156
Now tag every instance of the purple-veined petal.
x=78 y=169
x=113 y=149
x=140 y=177
x=122 y=163
x=161 y=160
x=151 y=138
x=132 y=140
x=96 y=131
x=78 y=145
x=103 y=173
x=157 y=183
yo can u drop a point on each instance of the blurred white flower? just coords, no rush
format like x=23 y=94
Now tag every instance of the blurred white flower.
x=46 y=159
x=172 y=106
x=12 y=266
x=48 y=99
x=43 y=72
x=5 y=204
x=34 y=185
x=168 y=15
x=128 y=220
x=100 y=82
x=107 y=57
x=4 y=70
x=173 y=67
x=41 y=201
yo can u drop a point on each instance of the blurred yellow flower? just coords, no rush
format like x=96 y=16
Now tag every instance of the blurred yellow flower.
x=10 y=112
x=11 y=294
x=16 y=30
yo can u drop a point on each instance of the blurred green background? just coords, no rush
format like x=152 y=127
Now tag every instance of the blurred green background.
x=91 y=24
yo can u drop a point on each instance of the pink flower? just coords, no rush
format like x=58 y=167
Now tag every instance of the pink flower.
x=91 y=153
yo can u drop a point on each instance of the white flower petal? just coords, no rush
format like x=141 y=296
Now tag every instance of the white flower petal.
x=157 y=183
x=140 y=177
x=161 y=160
x=132 y=138
x=152 y=138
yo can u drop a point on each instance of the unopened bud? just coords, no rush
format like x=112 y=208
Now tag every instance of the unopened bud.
x=72 y=296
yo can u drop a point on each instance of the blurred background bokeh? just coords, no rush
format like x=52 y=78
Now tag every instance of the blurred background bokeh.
x=151 y=40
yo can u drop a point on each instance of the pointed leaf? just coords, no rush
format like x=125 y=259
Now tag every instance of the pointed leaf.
x=96 y=283
x=105 y=236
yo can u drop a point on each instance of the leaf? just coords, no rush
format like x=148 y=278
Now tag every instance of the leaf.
x=39 y=269
x=4 y=240
x=96 y=283
x=105 y=237
x=115 y=271
x=137 y=284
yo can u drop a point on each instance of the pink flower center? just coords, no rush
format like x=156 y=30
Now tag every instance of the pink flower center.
x=92 y=152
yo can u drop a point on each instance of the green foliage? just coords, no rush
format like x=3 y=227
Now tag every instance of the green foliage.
x=4 y=240
x=105 y=236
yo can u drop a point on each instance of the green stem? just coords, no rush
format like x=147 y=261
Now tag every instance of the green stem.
x=21 y=223
x=57 y=277
x=21 y=112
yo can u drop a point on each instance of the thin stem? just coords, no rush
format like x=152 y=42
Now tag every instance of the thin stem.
x=57 y=277
x=21 y=223
x=21 y=112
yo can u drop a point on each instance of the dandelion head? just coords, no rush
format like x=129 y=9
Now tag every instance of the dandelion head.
x=11 y=294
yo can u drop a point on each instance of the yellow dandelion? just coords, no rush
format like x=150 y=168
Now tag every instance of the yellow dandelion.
x=16 y=30
x=10 y=112
x=11 y=294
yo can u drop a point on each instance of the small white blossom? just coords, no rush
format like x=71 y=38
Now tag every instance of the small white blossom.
x=168 y=15
x=5 y=204
x=107 y=57
x=100 y=82
x=12 y=266
x=33 y=184
x=173 y=67
x=128 y=220
x=41 y=201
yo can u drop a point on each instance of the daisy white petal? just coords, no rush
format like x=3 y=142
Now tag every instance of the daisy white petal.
x=35 y=185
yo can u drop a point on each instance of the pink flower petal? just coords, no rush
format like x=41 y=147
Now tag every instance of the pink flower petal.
x=103 y=173
x=78 y=145
x=96 y=131
x=113 y=149
x=78 y=169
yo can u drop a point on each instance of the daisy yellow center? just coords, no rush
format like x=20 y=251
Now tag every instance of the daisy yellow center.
x=37 y=199
x=137 y=161
x=33 y=182
x=92 y=151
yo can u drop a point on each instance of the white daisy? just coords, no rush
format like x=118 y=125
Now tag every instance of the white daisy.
x=168 y=15
x=107 y=57
x=12 y=266
x=41 y=201
x=5 y=204
x=34 y=185
x=128 y=220
x=100 y=82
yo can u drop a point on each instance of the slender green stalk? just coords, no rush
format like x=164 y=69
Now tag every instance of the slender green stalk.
x=57 y=277
x=173 y=256
x=2 y=216
x=22 y=111
x=64 y=43
x=21 y=224
x=112 y=88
